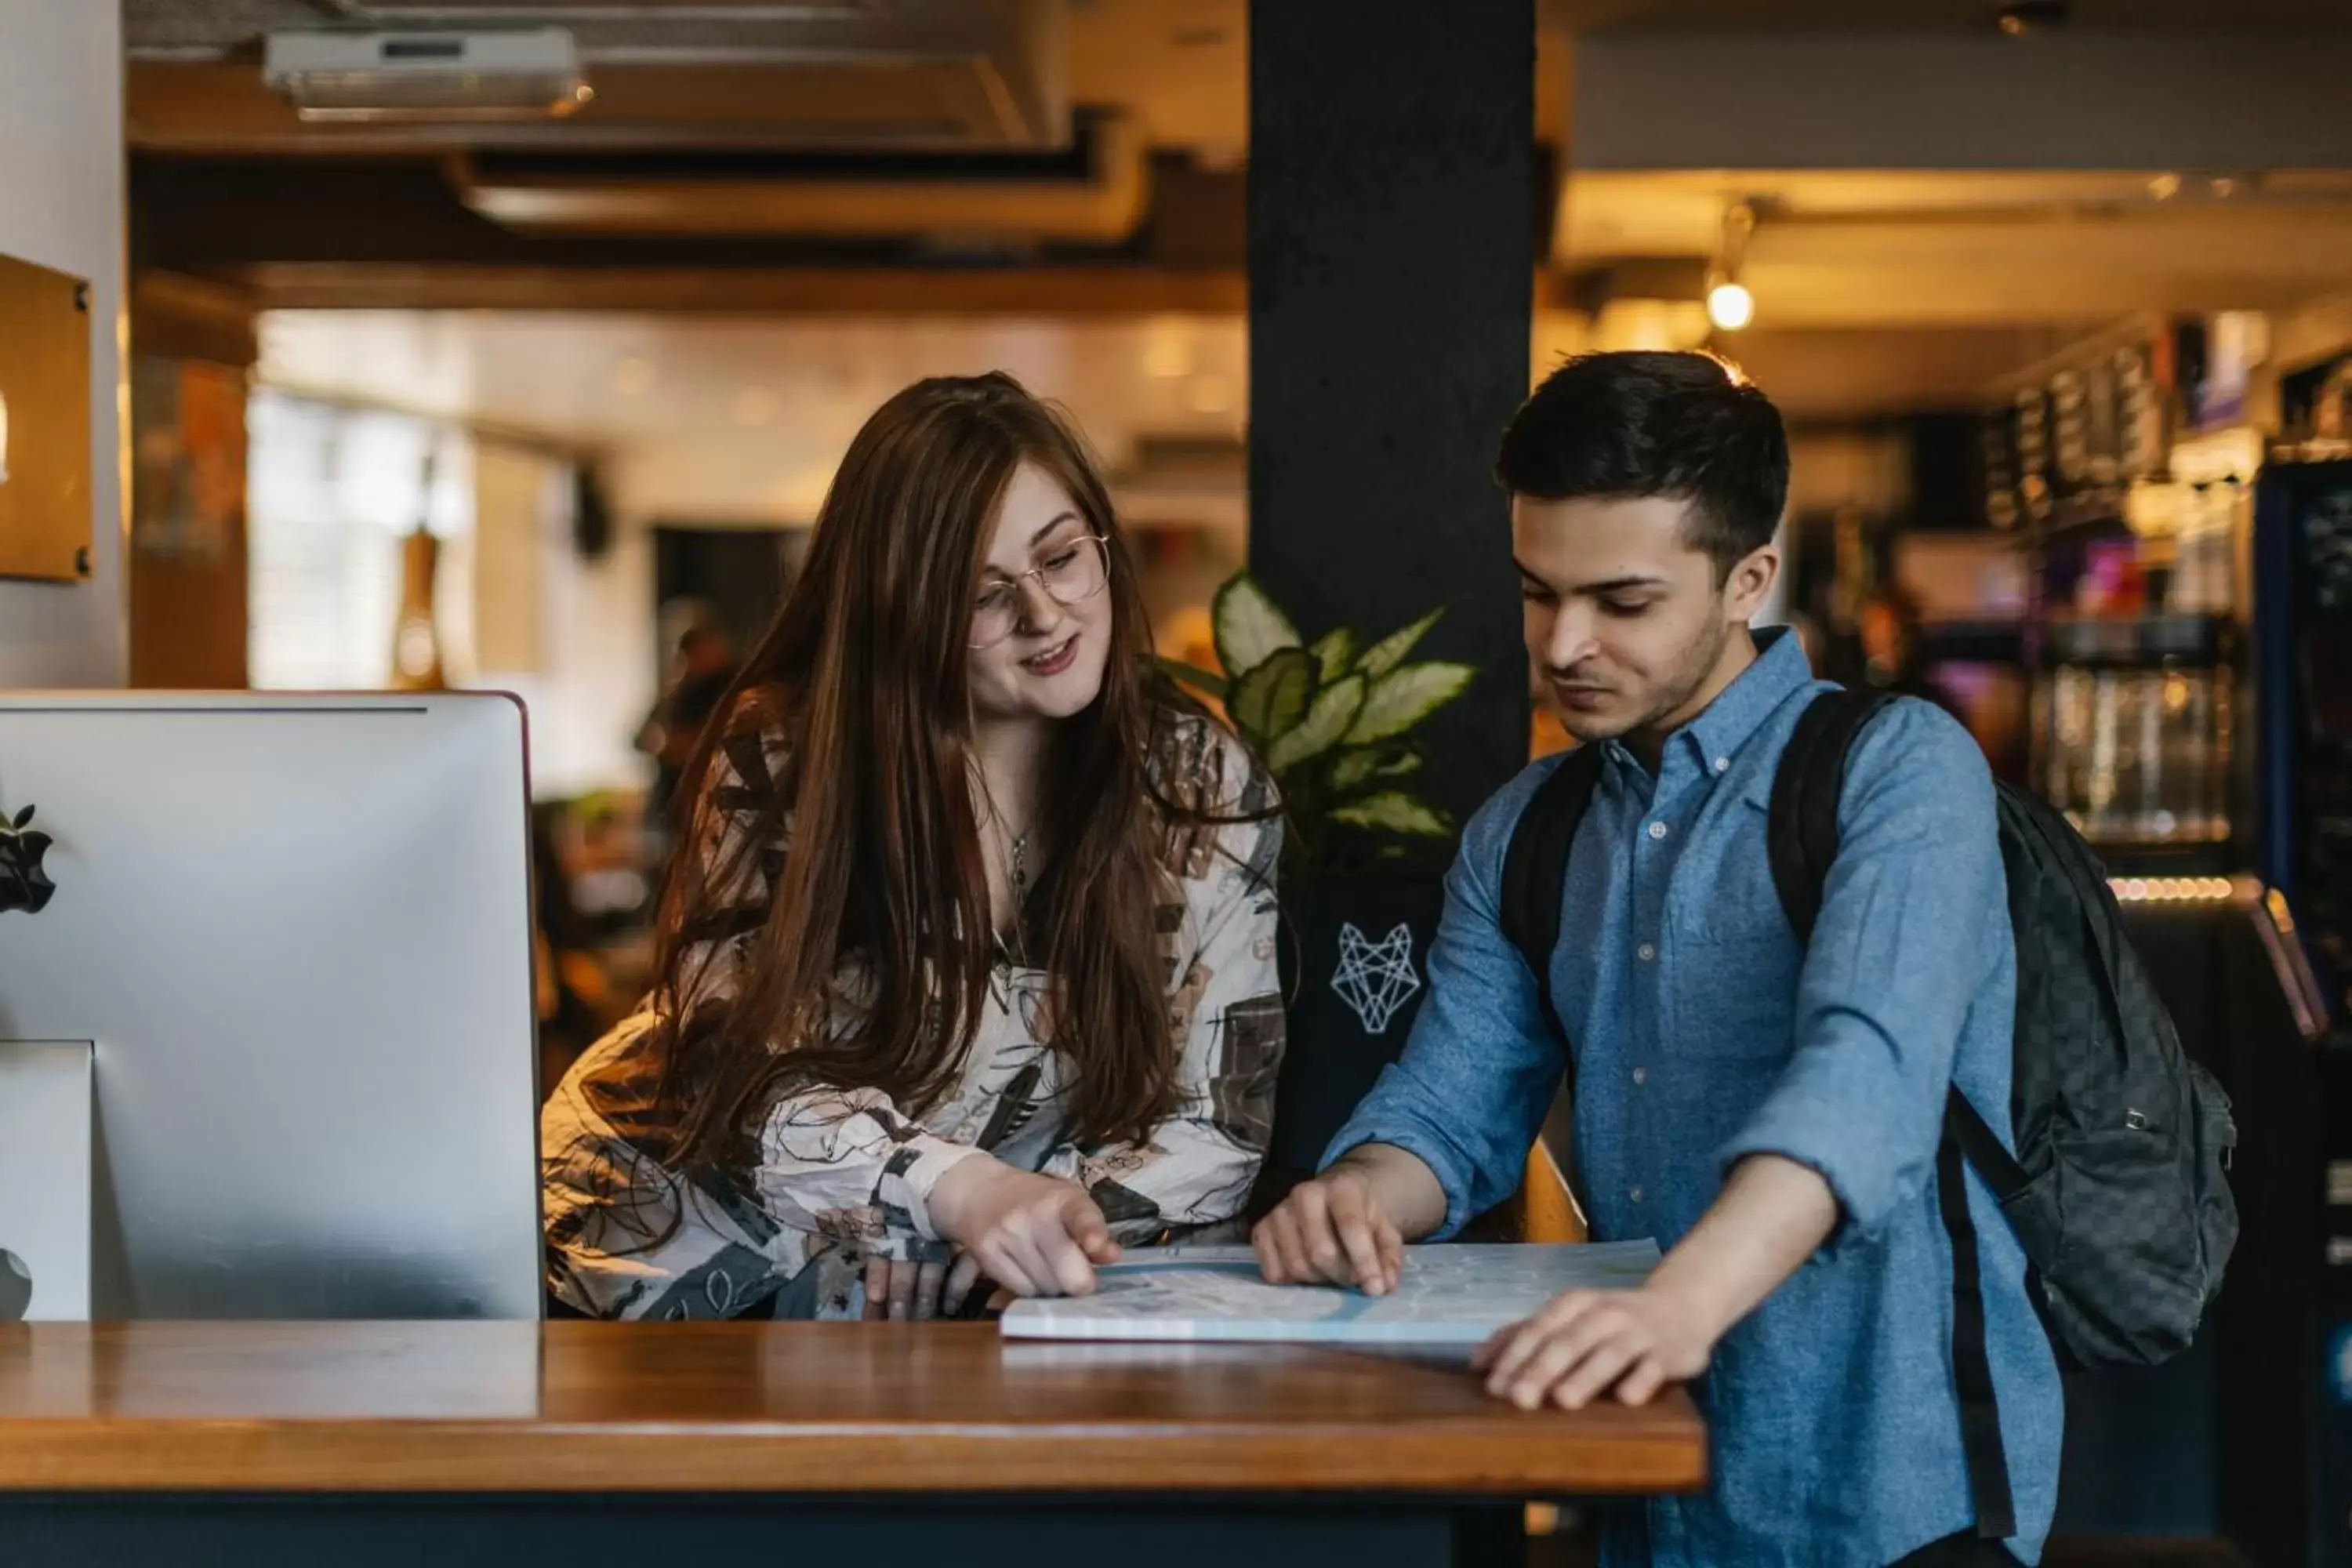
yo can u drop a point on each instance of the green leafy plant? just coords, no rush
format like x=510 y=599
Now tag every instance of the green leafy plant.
x=1336 y=720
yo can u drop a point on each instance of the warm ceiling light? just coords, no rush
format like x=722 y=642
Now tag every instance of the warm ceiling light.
x=2164 y=187
x=1731 y=305
x=2033 y=17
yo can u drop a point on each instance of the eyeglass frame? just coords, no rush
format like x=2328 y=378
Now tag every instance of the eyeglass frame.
x=1102 y=547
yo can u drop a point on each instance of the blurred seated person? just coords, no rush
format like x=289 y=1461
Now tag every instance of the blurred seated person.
x=577 y=999
x=1889 y=627
x=966 y=971
x=701 y=670
x=1989 y=699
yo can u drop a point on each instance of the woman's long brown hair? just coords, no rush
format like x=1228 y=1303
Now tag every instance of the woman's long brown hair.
x=862 y=683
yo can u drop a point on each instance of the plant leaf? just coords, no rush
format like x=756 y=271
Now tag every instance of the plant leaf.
x=1334 y=710
x=1334 y=649
x=1405 y=697
x=1271 y=696
x=1352 y=767
x=1394 y=811
x=1249 y=627
x=1193 y=676
x=1362 y=764
x=1389 y=652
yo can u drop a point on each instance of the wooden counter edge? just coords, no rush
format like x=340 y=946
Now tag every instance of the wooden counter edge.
x=376 y=1457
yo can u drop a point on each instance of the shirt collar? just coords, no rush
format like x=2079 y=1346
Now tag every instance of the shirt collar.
x=1728 y=721
x=1779 y=668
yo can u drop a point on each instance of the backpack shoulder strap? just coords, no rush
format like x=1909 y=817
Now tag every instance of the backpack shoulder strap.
x=1801 y=829
x=1802 y=841
x=1535 y=873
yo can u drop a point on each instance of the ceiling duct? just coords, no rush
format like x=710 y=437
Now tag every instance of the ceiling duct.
x=1097 y=195
x=859 y=75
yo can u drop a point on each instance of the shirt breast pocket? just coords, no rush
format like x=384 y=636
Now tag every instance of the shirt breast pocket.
x=1735 y=996
x=1735 y=960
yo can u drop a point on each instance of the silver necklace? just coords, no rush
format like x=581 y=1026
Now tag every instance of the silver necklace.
x=1018 y=948
x=1020 y=867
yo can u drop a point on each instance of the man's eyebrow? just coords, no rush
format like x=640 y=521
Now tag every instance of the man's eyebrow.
x=1607 y=585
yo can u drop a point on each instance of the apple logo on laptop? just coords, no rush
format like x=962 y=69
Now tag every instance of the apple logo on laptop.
x=24 y=885
x=15 y=1286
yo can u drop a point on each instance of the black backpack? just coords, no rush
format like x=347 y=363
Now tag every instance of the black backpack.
x=2116 y=1192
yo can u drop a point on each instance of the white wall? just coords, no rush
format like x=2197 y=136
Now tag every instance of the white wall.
x=595 y=676
x=61 y=208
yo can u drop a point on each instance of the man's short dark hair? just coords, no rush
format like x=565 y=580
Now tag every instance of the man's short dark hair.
x=1632 y=426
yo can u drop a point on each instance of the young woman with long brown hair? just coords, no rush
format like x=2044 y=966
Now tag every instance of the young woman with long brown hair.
x=966 y=969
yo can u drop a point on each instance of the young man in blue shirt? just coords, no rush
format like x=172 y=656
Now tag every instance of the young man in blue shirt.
x=1769 y=1112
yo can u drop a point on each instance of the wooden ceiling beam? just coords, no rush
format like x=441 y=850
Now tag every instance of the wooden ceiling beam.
x=1045 y=292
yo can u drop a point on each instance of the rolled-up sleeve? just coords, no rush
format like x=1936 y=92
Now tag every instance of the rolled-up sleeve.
x=1911 y=912
x=1480 y=1066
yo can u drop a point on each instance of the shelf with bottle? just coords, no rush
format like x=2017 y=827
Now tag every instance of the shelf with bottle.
x=2167 y=560
x=2137 y=642
x=2138 y=757
x=1998 y=642
x=2136 y=645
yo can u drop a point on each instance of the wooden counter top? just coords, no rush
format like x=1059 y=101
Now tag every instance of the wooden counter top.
x=800 y=1407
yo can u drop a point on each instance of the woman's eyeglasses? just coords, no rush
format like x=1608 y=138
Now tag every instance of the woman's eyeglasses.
x=1070 y=573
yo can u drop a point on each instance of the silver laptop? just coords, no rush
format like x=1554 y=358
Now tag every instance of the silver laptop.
x=297 y=932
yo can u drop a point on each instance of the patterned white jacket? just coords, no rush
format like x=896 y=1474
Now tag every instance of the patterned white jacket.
x=844 y=1175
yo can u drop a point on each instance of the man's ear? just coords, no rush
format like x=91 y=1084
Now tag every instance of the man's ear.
x=1751 y=583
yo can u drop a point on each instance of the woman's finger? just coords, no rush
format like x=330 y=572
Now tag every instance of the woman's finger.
x=997 y=1259
x=1064 y=1258
x=930 y=1279
x=877 y=1289
x=963 y=1278
x=904 y=1274
x=1020 y=1245
x=1083 y=1218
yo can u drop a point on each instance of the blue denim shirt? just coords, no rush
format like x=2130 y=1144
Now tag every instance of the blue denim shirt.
x=1703 y=1033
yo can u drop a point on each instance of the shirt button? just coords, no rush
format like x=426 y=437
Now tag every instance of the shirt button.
x=1723 y=764
x=1646 y=953
x=1635 y=1195
x=1657 y=830
x=1641 y=1076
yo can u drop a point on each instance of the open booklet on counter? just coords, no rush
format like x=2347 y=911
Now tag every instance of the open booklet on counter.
x=1449 y=1296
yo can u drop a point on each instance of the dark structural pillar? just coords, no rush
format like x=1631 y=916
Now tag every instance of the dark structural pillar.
x=1392 y=208
x=1391 y=251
